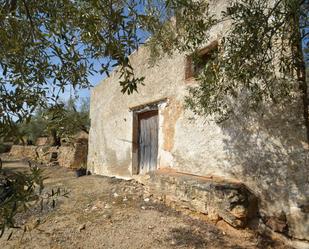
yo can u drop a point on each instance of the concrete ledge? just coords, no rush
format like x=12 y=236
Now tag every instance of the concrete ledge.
x=217 y=198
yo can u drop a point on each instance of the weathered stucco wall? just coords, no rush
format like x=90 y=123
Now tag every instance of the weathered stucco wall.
x=110 y=145
x=266 y=151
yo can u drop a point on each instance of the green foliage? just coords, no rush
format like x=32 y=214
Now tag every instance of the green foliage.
x=4 y=147
x=29 y=131
x=184 y=27
x=62 y=121
x=49 y=45
x=19 y=192
x=260 y=59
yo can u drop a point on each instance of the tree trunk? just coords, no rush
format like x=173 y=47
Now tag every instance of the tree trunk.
x=297 y=52
x=304 y=89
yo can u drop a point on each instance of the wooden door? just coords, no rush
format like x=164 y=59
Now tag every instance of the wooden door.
x=147 y=141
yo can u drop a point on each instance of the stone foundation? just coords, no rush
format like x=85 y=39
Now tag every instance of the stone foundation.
x=231 y=201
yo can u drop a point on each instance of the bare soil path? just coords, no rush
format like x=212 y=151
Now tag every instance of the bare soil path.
x=110 y=213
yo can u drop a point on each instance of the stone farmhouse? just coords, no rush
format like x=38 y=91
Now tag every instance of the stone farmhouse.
x=263 y=157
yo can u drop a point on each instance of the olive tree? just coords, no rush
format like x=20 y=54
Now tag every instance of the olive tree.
x=47 y=46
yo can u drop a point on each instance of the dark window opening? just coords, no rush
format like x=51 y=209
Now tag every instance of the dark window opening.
x=196 y=63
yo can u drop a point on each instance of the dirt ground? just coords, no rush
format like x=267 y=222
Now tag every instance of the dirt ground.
x=102 y=212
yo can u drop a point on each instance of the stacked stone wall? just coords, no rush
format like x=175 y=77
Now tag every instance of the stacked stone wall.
x=73 y=156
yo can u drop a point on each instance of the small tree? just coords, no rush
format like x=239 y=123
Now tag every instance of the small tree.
x=29 y=131
x=65 y=120
x=62 y=121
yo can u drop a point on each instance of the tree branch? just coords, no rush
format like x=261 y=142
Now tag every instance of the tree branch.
x=29 y=17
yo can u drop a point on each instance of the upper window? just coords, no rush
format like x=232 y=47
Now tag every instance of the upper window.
x=195 y=63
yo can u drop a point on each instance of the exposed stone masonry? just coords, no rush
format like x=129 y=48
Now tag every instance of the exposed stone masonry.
x=218 y=199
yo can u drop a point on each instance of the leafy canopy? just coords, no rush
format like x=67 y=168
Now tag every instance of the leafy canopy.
x=259 y=60
x=46 y=46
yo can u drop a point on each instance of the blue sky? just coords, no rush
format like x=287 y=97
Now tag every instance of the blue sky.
x=83 y=93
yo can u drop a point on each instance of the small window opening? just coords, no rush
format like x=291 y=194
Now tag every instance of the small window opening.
x=195 y=63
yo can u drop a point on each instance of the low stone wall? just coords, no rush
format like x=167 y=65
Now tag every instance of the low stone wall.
x=231 y=201
x=21 y=152
x=45 y=153
x=72 y=156
x=66 y=156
